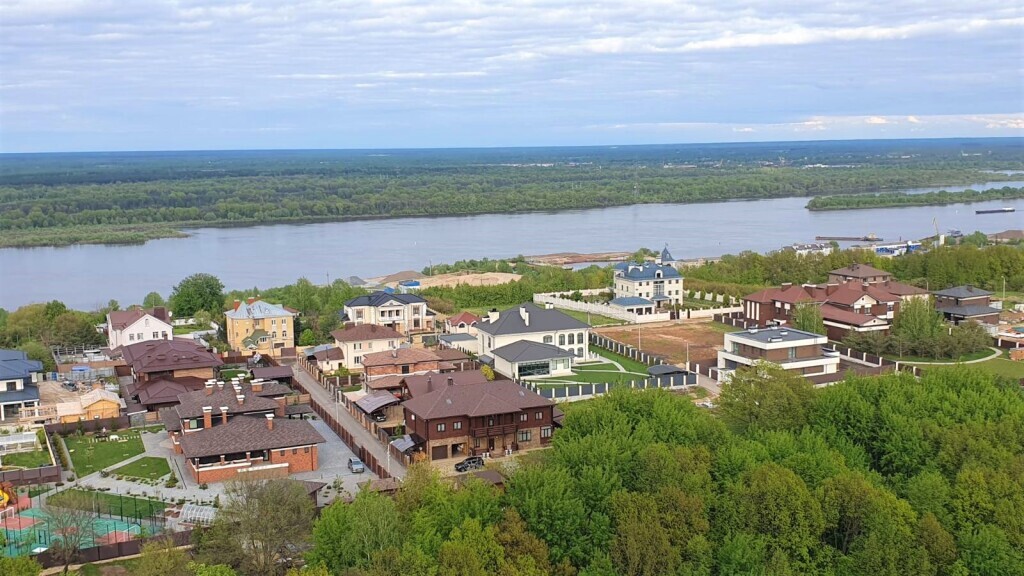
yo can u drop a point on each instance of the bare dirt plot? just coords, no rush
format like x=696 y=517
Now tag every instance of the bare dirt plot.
x=472 y=279
x=51 y=392
x=670 y=339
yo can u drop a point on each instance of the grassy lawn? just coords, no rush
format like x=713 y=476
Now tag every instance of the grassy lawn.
x=723 y=328
x=599 y=366
x=88 y=455
x=595 y=319
x=966 y=357
x=114 y=504
x=229 y=374
x=629 y=364
x=997 y=366
x=150 y=468
x=33 y=459
x=107 y=568
x=182 y=330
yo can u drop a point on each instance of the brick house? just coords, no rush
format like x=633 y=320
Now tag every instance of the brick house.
x=169 y=359
x=402 y=361
x=251 y=431
x=449 y=420
x=258 y=327
x=962 y=303
x=792 y=349
x=358 y=341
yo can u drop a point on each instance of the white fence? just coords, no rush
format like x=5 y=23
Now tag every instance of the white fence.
x=554 y=299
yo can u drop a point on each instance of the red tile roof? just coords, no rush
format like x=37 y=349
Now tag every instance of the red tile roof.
x=860 y=271
x=363 y=332
x=121 y=319
x=463 y=318
x=498 y=397
x=422 y=383
x=834 y=314
x=249 y=434
x=399 y=356
x=165 y=355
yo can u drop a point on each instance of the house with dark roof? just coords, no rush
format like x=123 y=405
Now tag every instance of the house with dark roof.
x=402 y=361
x=467 y=343
x=259 y=327
x=533 y=323
x=661 y=284
x=858 y=273
x=18 y=382
x=357 y=341
x=134 y=326
x=327 y=358
x=493 y=418
x=525 y=358
x=170 y=359
x=214 y=429
x=961 y=303
x=406 y=313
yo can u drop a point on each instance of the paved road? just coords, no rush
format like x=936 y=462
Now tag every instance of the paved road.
x=361 y=435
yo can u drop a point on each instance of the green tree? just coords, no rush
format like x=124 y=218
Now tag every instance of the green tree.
x=767 y=396
x=161 y=558
x=152 y=300
x=197 y=569
x=807 y=317
x=73 y=521
x=488 y=372
x=918 y=326
x=307 y=338
x=19 y=566
x=197 y=292
x=472 y=550
x=36 y=351
x=347 y=535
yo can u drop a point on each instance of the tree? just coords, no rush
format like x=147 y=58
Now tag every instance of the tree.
x=152 y=300
x=19 y=566
x=36 y=351
x=210 y=569
x=918 y=325
x=488 y=372
x=807 y=317
x=767 y=396
x=348 y=535
x=472 y=550
x=197 y=292
x=71 y=524
x=161 y=557
x=307 y=338
x=270 y=518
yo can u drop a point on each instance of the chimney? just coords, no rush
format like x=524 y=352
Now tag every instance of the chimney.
x=451 y=381
x=223 y=414
x=250 y=300
x=864 y=286
x=524 y=315
x=394 y=353
x=786 y=285
x=207 y=417
x=830 y=289
x=257 y=385
x=492 y=316
x=430 y=384
x=237 y=304
x=240 y=398
x=270 y=421
x=209 y=388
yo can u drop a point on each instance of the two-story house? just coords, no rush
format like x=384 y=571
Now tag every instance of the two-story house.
x=858 y=273
x=454 y=421
x=259 y=327
x=355 y=342
x=660 y=284
x=792 y=349
x=134 y=326
x=170 y=359
x=462 y=323
x=18 y=381
x=962 y=303
x=556 y=332
x=406 y=313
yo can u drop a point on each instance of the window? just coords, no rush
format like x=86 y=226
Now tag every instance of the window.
x=369 y=345
x=273 y=321
x=579 y=352
x=306 y=449
x=538 y=416
x=523 y=417
x=131 y=337
x=579 y=337
x=440 y=427
x=561 y=339
x=549 y=339
x=412 y=417
x=405 y=368
x=139 y=335
x=357 y=346
x=156 y=335
x=545 y=432
x=525 y=435
x=163 y=335
x=284 y=334
x=792 y=353
x=295 y=450
x=281 y=453
x=572 y=339
x=147 y=321
x=457 y=425
x=358 y=360
x=490 y=421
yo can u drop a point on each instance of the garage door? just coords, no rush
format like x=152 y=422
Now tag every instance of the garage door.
x=439 y=452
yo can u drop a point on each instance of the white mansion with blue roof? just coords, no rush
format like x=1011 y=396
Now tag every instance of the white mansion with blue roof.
x=648 y=287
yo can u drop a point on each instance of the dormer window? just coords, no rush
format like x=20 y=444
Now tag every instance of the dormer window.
x=657 y=274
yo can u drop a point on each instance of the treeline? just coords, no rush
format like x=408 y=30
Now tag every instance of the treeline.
x=862 y=201
x=33 y=329
x=232 y=200
x=919 y=330
x=985 y=267
x=874 y=476
x=482 y=265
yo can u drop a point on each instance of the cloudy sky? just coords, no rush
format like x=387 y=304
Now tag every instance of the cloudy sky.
x=150 y=75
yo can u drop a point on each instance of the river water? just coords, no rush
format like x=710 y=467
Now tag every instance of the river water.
x=87 y=276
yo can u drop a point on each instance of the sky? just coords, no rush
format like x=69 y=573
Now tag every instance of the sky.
x=88 y=75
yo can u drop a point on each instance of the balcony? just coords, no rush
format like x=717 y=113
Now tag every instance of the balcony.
x=493 y=431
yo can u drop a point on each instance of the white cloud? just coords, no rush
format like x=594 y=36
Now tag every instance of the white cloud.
x=876 y=120
x=913 y=119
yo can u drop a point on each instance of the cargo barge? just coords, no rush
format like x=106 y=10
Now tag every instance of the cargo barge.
x=1005 y=210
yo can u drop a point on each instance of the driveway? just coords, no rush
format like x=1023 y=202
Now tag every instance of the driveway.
x=333 y=462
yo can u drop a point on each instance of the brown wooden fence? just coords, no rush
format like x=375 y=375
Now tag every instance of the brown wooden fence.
x=41 y=475
x=112 y=551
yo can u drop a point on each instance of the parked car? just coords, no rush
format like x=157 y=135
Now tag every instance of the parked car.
x=379 y=416
x=356 y=465
x=471 y=463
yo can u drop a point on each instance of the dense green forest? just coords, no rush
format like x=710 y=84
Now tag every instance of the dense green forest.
x=862 y=201
x=49 y=199
x=874 y=476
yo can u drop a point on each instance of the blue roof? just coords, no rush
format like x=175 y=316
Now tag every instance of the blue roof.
x=29 y=392
x=666 y=256
x=14 y=364
x=382 y=297
x=631 y=301
x=648 y=271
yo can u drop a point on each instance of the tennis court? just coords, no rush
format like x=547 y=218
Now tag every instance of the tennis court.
x=28 y=532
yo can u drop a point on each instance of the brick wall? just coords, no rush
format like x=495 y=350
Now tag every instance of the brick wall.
x=204 y=373
x=301 y=461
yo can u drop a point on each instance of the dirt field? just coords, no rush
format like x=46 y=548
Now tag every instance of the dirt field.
x=473 y=279
x=51 y=392
x=563 y=258
x=670 y=339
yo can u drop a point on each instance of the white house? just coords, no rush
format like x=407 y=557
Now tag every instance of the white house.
x=524 y=358
x=19 y=379
x=531 y=323
x=659 y=284
x=792 y=349
x=406 y=313
x=126 y=327
x=358 y=341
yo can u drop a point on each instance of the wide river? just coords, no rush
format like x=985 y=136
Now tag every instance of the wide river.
x=87 y=276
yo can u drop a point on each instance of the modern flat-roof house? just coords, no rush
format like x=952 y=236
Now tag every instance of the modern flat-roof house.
x=660 y=284
x=962 y=303
x=858 y=273
x=18 y=378
x=250 y=433
x=535 y=324
x=406 y=313
x=792 y=349
x=454 y=421
x=170 y=359
x=356 y=342
x=134 y=326
x=259 y=327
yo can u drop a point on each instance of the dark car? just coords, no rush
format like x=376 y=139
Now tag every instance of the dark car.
x=471 y=463
x=379 y=416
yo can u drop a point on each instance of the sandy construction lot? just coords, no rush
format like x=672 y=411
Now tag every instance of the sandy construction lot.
x=470 y=278
x=670 y=339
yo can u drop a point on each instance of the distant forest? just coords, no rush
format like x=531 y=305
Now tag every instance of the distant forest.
x=862 y=201
x=56 y=199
